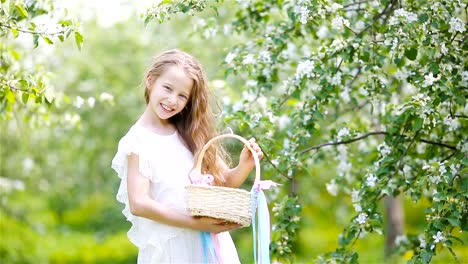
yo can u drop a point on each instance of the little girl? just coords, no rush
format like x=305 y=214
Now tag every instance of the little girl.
x=156 y=155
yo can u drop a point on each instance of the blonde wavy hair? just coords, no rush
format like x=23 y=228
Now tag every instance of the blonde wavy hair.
x=196 y=122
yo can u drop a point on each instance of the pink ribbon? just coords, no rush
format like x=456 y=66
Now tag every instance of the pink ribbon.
x=201 y=179
x=265 y=185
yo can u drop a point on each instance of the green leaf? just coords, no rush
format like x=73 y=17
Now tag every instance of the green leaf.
x=411 y=53
x=25 y=97
x=21 y=10
x=454 y=221
x=15 y=54
x=65 y=22
x=78 y=40
x=61 y=38
x=10 y=96
x=36 y=40
x=47 y=40
x=423 y=18
x=417 y=125
x=399 y=62
x=426 y=256
x=15 y=32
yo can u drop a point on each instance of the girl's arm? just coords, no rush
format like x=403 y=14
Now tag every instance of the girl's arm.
x=141 y=204
x=236 y=176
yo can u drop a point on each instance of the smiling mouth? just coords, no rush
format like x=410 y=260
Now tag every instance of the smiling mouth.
x=166 y=108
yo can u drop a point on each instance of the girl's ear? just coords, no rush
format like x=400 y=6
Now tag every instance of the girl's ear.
x=149 y=82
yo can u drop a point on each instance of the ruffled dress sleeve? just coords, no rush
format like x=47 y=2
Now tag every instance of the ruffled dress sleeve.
x=131 y=143
x=143 y=232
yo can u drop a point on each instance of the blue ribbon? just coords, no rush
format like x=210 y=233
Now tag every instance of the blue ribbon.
x=259 y=203
x=209 y=254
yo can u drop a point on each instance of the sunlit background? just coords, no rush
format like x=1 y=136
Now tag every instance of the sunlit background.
x=57 y=188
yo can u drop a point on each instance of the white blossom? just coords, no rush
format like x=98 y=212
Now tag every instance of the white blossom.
x=226 y=100
x=371 y=180
x=264 y=56
x=201 y=23
x=355 y=195
x=306 y=118
x=435 y=179
x=210 y=32
x=79 y=101
x=421 y=98
x=322 y=32
x=266 y=72
x=237 y=107
x=72 y=119
x=248 y=59
x=248 y=96
x=452 y=123
x=344 y=167
x=106 y=97
x=7 y=184
x=357 y=207
x=434 y=193
x=360 y=25
x=262 y=102
x=342 y=133
x=406 y=169
x=283 y=121
x=227 y=29
x=338 y=44
x=463 y=146
x=339 y=23
x=429 y=79
x=464 y=81
x=442 y=169
x=384 y=149
x=303 y=14
x=456 y=25
x=363 y=91
x=344 y=94
x=332 y=187
x=422 y=242
x=361 y=219
x=305 y=69
x=91 y=101
x=438 y=237
x=336 y=79
x=402 y=16
x=443 y=48
x=401 y=74
x=28 y=164
x=333 y=7
x=251 y=83
x=230 y=57
x=453 y=169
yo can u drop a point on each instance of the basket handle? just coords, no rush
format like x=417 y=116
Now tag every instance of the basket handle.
x=247 y=144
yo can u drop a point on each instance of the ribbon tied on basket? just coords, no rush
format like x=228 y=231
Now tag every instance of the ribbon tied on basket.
x=253 y=208
x=201 y=179
x=259 y=203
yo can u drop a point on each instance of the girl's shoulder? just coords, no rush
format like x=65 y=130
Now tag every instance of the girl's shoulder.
x=142 y=137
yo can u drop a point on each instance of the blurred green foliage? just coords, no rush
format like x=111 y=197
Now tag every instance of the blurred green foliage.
x=57 y=191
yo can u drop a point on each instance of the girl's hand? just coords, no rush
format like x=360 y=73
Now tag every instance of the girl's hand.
x=246 y=159
x=214 y=225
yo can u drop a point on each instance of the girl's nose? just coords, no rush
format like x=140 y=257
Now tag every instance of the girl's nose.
x=172 y=99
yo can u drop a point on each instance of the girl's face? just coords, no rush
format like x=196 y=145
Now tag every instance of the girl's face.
x=170 y=93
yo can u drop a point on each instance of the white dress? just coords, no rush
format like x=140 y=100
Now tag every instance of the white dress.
x=166 y=162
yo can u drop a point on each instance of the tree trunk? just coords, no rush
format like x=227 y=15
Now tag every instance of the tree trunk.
x=395 y=221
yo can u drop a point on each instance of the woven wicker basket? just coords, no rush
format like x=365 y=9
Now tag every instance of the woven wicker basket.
x=230 y=204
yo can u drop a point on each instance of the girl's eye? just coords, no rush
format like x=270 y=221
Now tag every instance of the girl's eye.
x=167 y=88
x=183 y=97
